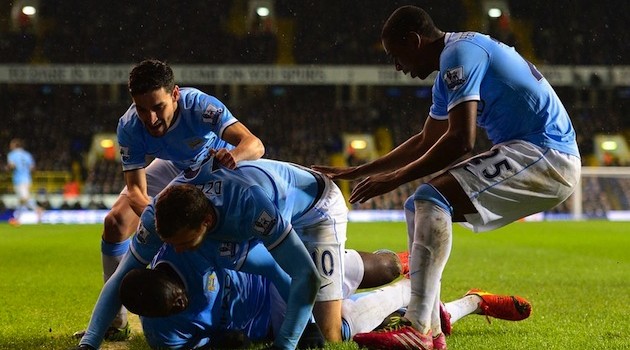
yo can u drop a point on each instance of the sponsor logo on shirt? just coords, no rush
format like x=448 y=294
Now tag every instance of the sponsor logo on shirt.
x=264 y=223
x=454 y=78
x=227 y=249
x=211 y=283
x=124 y=153
x=211 y=114
x=142 y=234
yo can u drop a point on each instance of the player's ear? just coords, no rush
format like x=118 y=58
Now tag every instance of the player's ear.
x=180 y=303
x=414 y=39
x=175 y=93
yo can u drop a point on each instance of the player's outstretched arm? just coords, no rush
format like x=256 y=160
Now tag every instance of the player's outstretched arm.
x=293 y=257
x=108 y=303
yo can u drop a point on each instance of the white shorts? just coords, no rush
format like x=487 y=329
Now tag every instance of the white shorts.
x=352 y=278
x=323 y=231
x=513 y=180
x=23 y=190
x=160 y=173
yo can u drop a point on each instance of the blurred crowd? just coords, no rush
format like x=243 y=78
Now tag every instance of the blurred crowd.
x=300 y=32
x=298 y=124
x=301 y=124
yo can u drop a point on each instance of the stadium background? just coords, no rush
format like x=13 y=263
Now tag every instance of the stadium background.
x=309 y=78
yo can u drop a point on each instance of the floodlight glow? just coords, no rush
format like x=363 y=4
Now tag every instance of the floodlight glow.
x=609 y=145
x=358 y=144
x=494 y=12
x=29 y=10
x=107 y=143
x=262 y=11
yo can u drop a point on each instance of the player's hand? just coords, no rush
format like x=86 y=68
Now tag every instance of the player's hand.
x=312 y=338
x=337 y=173
x=373 y=186
x=224 y=157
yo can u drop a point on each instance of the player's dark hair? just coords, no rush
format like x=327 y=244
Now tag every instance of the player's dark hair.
x=409 y=19
x=153 y=293
x=150 y=75
x=16 y=143
x=180 y=207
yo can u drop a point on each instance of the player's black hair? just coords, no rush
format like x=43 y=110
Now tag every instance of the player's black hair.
x=153 y=292
x=150 y=75
x=409 y=19
x=179 y=207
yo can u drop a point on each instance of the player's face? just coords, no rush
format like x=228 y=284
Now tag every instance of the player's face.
x=156 y=109
x=408 y=56
x=187 y=239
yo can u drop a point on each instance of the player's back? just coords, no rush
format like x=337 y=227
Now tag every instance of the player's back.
x=218 y=299
x=22 y=162
x=293 y=187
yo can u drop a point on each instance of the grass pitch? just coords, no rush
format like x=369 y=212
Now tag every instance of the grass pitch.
x=576 y=274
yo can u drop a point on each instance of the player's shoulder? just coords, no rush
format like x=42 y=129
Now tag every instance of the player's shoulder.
x=463 y=42
x=129 y=119
x=191 y=97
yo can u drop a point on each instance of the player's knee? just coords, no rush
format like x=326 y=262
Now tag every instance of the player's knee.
x=409 y=204
x=427 y=192
x=390 y=267
x=114 y=228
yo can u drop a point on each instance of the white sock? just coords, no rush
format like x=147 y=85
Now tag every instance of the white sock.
x=410 y=219
x=365 y=311
x=462 y=307
x=110 y=263
x=436 y=326
x=430 y=251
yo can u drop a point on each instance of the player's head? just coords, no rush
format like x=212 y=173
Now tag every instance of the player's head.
x=16 y=143
x=153 y=293
x=183 y=215
x=408 y=36
x=153 y=90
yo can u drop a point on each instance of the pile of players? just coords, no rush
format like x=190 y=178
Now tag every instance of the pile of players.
x=231 y=248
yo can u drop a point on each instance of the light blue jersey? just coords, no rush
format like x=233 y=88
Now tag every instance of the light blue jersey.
x=255 y=203
x=515 y=101
x=22 y=162
x=219 y=299
x=251 y=256
x=251 y=205
x=201 y=121
x=262 y=197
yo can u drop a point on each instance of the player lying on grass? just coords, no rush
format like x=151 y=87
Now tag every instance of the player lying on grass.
x=183 y=308
x=273 y=201
x=188 y=307
x=270 y=201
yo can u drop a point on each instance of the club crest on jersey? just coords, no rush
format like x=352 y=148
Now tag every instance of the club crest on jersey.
x=211 y=114
x=264 y=223
x=142 y=234
x=211 y=283
x=454 y=78
x=124 y=153
x=227 y=249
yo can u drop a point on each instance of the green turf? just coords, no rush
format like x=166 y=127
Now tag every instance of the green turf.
x=576 y=274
